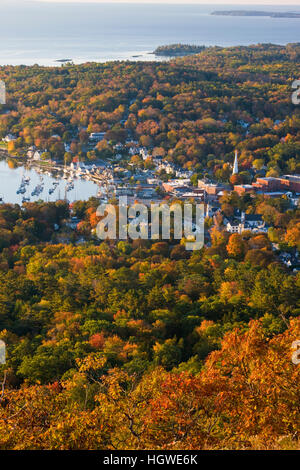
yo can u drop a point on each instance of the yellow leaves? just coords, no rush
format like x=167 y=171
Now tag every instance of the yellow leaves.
x=260 y=378
x=218 y=236
x=246 y=395
x=92 y=362
x=228 y=290
x=292 y=236
x=205 y=325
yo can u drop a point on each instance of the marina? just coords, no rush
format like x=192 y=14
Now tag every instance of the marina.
x=21 y=184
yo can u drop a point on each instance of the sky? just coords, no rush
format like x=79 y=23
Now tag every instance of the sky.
x=203 y=2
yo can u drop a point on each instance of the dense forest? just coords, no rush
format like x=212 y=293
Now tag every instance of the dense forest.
x=193 y=111
x=140 y=344
x=178 y=49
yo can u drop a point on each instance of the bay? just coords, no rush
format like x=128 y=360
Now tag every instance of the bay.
x=10 y=180
x=42 y=33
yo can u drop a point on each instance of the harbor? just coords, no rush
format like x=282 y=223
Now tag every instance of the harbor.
x=30 y=183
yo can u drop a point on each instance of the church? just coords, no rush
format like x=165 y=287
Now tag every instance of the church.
x=235 y=165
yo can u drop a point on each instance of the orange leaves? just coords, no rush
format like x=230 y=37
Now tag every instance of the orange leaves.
x=260 y=242
x=81 y=263
x=11 y=146
x=93 y=219
x=246 y=396
x=236 y=246
x=228 y=290
x=261 y=382
x=236 y=179
x=97 y=340
x=292 y=236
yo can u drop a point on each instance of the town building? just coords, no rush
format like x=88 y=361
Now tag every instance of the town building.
x=213 y=191
x=239 y=224
x=235 y=165
x=283 y=183
x=175 y=184
x=96 y=136
x=241 y=189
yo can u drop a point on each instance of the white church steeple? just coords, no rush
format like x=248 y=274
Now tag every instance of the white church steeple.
x=236 y=165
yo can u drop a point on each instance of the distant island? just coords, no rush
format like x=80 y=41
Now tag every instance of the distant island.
x=63 y=60
x=178 y=50
x=257 y=13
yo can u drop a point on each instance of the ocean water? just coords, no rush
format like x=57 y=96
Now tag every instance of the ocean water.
x=10 y=180
x=38 y=32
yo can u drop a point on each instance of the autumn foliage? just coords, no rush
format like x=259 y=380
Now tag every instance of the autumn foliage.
x=245 y=397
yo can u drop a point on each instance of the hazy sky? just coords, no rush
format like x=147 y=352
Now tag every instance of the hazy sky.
x=205 y=2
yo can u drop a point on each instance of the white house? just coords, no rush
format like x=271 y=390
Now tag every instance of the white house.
x=9 y=138
x=97 y=136
x=252 y=222
x=36 y=155
x=144 y=153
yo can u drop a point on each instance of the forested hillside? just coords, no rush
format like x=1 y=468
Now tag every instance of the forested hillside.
x=194 y=111
x=141 y=344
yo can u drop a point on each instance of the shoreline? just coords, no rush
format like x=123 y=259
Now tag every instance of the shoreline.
x=132 y=57
x=257 y=14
